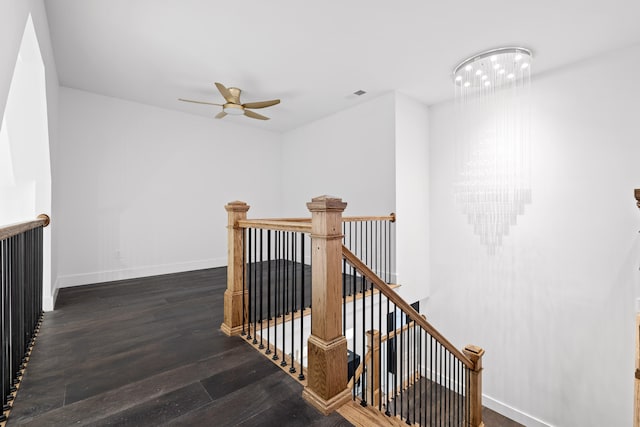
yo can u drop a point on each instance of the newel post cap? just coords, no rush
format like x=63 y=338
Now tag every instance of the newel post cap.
x=237 y=206
x=474 y=353
x=326 y=203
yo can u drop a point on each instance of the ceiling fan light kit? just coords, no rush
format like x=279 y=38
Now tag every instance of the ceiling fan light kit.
x=233 y=106
x=233 y=109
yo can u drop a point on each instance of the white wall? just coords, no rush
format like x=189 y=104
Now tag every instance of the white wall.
x=412 y=197
x=349 y=154
x=142 y=190
x=554 y=309
x=13 y=17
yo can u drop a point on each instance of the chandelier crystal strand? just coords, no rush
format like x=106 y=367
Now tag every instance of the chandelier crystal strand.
x=493 y=147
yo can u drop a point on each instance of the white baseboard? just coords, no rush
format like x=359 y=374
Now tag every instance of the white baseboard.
x=49 y=301
x=70 y=280
x=513 y=413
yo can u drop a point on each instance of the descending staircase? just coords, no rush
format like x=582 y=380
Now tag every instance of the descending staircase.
x=361 y=349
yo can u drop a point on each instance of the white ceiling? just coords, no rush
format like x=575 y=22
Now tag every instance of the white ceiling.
x=313 y=55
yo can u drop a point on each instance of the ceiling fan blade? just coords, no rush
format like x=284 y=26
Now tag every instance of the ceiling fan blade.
x=198 y=102
x=253 y=115
x=225 y=93
x=220 y=115
x=261 y=104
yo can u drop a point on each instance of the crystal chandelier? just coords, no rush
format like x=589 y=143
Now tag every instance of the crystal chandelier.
x=493 y=152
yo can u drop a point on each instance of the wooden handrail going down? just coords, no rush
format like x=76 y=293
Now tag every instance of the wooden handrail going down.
x=355 y=262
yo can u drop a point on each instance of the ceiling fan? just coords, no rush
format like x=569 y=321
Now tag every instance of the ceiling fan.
x=233 y=105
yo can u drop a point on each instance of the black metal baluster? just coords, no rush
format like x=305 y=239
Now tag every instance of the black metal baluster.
x=285 y=311
x=15 y=323
x=353 y=310
x=276 y=313
x=255 y=286
x=415 y=372
x=440 y=388
x=244 y=287
x=268 y=351
x=458 y=391
x=467 y=377
x=360 y=247
x=344 y=296
x=420 y=366
x=294 y=250
x=292 y=368
x=367 y=246
x=351 y=238
x=385 y=248
x=373 y=402
x=395 y=358
x=402 y=322
x=376 y=250
x=388 y=344
x=302 y=306
x=431 y=381
x=261 y=346
x=286 y=272
x=364 y=349
x=4 y=279
x=380 y=350
x=445 y=385
x=249 y=265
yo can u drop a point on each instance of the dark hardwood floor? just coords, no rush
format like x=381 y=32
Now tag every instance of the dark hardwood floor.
x=148 y=352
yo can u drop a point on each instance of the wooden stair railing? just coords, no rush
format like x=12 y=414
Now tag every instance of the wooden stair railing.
x=325 y=381
x=471 y=356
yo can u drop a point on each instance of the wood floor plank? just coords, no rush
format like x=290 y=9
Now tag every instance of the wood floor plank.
x=161 y=409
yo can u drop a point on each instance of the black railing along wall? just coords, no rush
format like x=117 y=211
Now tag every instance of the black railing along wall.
x=21 y=271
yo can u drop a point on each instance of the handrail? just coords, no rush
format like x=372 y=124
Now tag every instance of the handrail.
x=274 y=224
x=355 y=262
x=391 y=217
x=303 y=224
x=20 y=227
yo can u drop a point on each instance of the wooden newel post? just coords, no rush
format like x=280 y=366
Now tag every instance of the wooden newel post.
x=326 y=386
x=373 y=366
x=474 y=394
x=234 y=296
